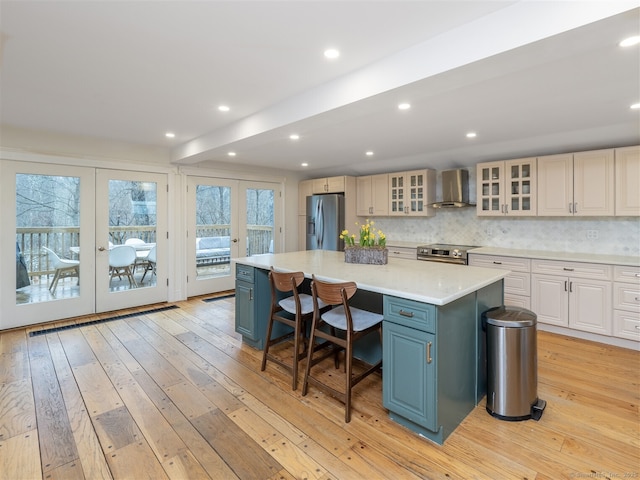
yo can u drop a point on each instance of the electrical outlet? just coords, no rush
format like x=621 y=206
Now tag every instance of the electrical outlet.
x=592 y=234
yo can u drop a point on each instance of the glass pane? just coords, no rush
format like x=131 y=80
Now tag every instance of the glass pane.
x=485 y=204
x=515 y=187
x=526 y=203
x=485 y=189
x=515 y=204
x=495 y=204
x=132 y=234
x=515 y=171
x=260 y=221
x=213 y=231
x=485 y=174
x=47 y=238
x=526 y=187
x=526 y=170
x=495 y=173
x=495 y=189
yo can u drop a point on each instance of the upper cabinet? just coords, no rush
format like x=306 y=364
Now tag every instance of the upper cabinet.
x=305 y=188
x=576 y=184
x=411 y=192
x=372 y=195
x=507 y=188
x=329 y=185
x=627 y=181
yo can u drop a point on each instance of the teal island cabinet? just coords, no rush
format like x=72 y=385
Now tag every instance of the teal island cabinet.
x=434 y=367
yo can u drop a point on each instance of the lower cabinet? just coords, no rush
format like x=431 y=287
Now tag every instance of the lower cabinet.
x=517 y=285
x=433 y=361
x=571 y=294
x=409 y=380
x=626 y=302
x=253 y=297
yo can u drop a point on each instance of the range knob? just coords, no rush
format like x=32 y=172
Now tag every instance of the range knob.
x=456 y=253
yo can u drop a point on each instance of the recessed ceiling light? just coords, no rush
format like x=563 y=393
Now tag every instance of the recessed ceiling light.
x=294 y=136
x=223 y=108
x=631 y=41
x=331 y=53
x=635 y=106
x=305 y=164
x=369 y=153
x=170 y=135
x=232 y=154
x=472 y=135
x=404 y=106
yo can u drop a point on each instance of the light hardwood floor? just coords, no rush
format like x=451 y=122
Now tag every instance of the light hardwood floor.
x=175 y=394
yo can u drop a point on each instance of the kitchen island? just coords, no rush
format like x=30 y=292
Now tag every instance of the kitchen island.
x=434 y=369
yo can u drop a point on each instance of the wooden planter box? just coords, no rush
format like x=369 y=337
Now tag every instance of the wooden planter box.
x=366 y=255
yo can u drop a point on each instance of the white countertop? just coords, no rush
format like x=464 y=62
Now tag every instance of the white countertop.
x=428 y=282
x=564 y=256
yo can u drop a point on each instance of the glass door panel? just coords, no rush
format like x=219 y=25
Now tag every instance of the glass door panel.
x=53 y=208
x=131 y=239
x=213 y=237
x=260 y=220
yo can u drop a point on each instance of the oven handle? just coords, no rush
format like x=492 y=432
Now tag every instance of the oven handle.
x=457 y=261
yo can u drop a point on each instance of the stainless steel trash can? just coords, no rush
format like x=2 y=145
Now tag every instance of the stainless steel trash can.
x=512 y=364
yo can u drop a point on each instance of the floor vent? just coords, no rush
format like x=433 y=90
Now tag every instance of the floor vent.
x=101 y=320
x=213 y=299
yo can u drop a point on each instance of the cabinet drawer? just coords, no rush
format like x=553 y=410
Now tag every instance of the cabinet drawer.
x=626 y=274
x=626 y=325
x=410 y=313
x=244 y=273
x=595 y=271
x=517 y=301
x=518 y=283
x=403 y=252
x=507 y=263
x=626 y=296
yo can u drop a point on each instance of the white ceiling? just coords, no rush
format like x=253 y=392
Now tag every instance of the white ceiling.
x=530 y=77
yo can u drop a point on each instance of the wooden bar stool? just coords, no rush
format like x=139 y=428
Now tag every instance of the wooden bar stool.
x=352 y=322
x=293 y=311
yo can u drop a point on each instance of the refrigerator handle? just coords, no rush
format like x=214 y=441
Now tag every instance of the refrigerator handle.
x=320 y=224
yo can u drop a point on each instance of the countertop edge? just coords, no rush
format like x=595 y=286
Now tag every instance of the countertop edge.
x=561 y=256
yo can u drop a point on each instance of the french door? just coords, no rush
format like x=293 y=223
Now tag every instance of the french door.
x=131 y=217
x=227 y=219
x=64 y=222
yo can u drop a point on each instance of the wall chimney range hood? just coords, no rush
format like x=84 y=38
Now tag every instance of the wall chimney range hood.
x=455 y=190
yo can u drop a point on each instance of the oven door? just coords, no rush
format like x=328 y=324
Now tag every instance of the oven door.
x=456 y=261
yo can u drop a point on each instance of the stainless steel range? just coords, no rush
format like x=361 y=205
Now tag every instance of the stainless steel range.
x=444 y=253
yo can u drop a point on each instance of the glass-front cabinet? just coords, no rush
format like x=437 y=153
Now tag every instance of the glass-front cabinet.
x=410 y=193
x=507 y=188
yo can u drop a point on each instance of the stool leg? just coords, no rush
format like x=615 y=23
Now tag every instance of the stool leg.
x=310 y=349
x=267 y=342
x=349 y=366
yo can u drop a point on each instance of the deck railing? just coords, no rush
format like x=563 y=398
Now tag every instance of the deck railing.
x=60 y=239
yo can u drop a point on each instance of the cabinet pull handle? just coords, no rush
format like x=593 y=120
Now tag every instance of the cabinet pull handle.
x=406 y=314
x=570 y=287
x=575 y=208
x=429 y=359
x=565 y=285
x=497 y=263
x=251 y=294
x=568 y=269
x=638 y=275
x=637 y=327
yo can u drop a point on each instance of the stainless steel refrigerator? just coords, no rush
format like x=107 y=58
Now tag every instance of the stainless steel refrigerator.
x=325 y=222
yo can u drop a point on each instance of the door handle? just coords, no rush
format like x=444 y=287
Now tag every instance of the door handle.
x=101 y=249
x=235 y=240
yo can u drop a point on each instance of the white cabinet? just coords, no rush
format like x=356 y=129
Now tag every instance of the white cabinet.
x=627 y=181
x=517 y=285
x=411 y=192
x=576 y=184
x=507 y=188
x=572 y=294
x=372 y=195
x=626 y=302
x=329 y=185
x=402 y=252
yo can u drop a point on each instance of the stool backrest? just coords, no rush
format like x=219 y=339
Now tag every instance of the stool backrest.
x=333 y=293
x=285 y=281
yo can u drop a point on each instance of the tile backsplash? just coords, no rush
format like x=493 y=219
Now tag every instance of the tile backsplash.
x=461 y=226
